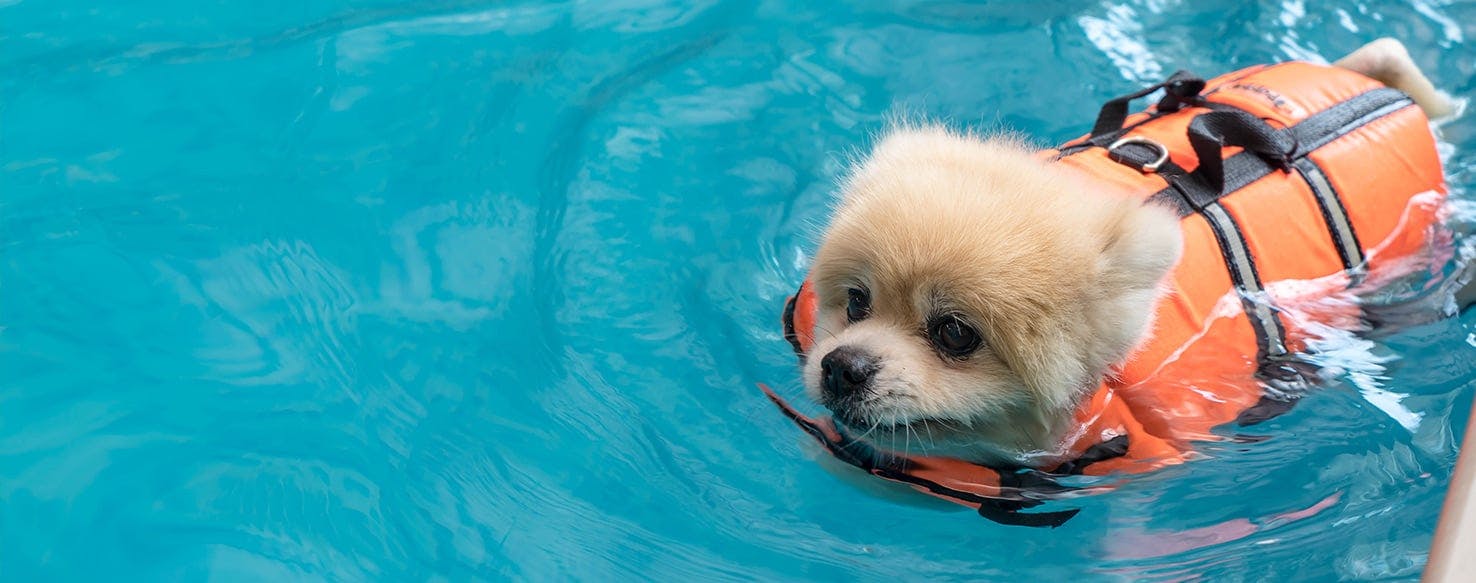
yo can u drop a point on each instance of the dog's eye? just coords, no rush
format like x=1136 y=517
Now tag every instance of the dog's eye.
x=858 y=304
x=953 y=336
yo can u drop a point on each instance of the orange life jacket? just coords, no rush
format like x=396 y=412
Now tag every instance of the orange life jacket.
x=1301 y=173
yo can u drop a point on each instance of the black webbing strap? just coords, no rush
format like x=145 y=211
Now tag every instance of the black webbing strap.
x=1211 y=133
x=789 y=332
x=1180 y=89
x=1047 y=484
x=1112 y=448
x=1238 y=171
x=1021 y=488
x=1103 y=140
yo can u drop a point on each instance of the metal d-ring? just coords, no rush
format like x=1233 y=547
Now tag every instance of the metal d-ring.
x=1163 y=152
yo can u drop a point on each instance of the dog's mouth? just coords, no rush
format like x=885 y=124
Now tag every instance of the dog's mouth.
x=926 y=436
x=861 y=422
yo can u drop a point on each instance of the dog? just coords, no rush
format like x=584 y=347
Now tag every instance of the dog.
x=969 y=290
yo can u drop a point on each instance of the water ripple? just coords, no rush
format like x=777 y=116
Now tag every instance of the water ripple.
x=467 y=290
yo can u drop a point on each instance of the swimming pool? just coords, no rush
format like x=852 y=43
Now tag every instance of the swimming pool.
x=454 y=290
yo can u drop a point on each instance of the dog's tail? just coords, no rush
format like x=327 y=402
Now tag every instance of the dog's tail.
x=1387 y=61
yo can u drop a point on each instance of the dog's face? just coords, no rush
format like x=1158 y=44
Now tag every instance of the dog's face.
x=970 y=295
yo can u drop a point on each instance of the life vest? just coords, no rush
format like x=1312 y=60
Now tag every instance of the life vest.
x=1305 y=178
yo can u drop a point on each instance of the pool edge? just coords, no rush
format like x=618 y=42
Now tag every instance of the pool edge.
x=1457 y=529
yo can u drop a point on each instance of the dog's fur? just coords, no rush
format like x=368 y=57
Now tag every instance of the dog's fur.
x=1058 y=278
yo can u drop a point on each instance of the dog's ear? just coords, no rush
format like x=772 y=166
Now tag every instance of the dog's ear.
x=1063 y=361
x=1141 y=243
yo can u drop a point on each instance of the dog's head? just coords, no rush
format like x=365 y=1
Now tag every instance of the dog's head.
x=969 y=295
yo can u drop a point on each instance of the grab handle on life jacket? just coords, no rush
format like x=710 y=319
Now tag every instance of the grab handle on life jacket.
x=1180 y=89
x=1211 y=133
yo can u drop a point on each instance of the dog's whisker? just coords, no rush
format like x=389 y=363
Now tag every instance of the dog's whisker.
x=869 y=430
x=822 y=328
x=909 y=430
x=906 y=435
x=949 y=424
x=892 y=421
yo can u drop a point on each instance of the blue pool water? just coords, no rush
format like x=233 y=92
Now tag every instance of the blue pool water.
x=474 y=289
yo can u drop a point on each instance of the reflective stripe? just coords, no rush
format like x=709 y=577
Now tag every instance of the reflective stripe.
x=1341 y=119
x=1334 y=213
x=1270 y=334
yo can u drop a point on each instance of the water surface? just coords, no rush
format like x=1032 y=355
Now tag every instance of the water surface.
x=478 y=290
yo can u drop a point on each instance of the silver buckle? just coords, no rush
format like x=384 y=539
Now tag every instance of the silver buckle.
x=1151 y=167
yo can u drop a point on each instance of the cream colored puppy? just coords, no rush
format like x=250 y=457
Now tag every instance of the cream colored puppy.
x=970 y=294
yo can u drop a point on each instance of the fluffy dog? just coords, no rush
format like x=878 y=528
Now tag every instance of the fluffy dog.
x=969 y=291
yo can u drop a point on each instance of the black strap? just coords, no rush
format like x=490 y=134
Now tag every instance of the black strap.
x=1192 y=196
x=1211 y=133
x=1021 y=489
x=1203 y=100
x=992 y=510
x=1265 y=409
x=1112 y=448
x=1336 y=121
x=1180 y=89
x=789 y=332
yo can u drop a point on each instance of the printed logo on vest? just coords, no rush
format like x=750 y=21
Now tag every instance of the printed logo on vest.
x=1270 y=96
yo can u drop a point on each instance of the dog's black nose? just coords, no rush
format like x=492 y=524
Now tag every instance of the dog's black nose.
x=847 y=370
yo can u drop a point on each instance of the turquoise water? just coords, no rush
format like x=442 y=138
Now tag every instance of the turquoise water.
x=457 y=290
